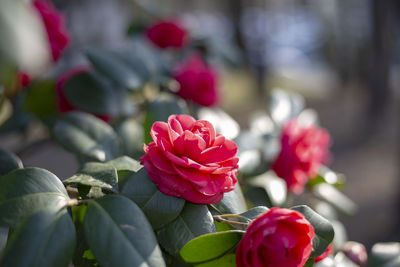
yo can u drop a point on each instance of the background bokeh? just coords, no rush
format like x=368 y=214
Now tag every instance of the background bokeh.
x=341 y=55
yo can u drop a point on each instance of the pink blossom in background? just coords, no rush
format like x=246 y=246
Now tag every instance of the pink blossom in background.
x=54 y=23
x=198 y=82
x=303 y=150
x=167 y=34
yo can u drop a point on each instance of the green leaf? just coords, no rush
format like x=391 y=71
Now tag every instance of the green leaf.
x=131 y=134
x=87 y=91
x=336 y=198
x=254 y=212
x=385 y=255
x=87 y=136
x=258 y=196
x=160 y=209
x=160 y=109
x=233 y=202
x=194 y=220
x=210 y=246
x=325 y=175
x=324 y=232
x=96 y=174
x=24 y=192
x=125 y=163
x=119 y=234
x=41 y=98
x=8 y=162
x=274 y=186
x=228 y=260
x=112 y=65
x=45 y=239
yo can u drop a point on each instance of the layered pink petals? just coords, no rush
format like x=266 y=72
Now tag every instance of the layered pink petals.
x=167 y=34
x=187 y=160
x=303 y=150
x=279 y=237
x=198 y=82
x=54 y=23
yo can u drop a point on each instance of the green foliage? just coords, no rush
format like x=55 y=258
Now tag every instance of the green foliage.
x=47 y=238
x=89 y=92
x=86 y=136
x=324 y=232
x=210 y=247
x=233 y=202
x=40 y=98
x=131 y=134
x=194 y=220
x=159 y=208
x=119 y=234
x=253 y=213
x=113 y=66
x=385 y=255
x=24 y=192
x=8 y=162
x=159 y=110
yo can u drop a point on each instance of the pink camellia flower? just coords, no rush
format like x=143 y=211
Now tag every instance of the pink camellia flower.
x=63 y=105
x=329 y=251
x=279 y=237
x=197 y=81
x=167 y=33
x=189 y=160
x=303 y=149
x=54 y=23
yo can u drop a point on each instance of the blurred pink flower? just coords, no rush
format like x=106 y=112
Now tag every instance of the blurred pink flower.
x=167 y=33
x=198 y=82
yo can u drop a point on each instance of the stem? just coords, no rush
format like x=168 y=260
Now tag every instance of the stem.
x=220 y=218
x=72 y=192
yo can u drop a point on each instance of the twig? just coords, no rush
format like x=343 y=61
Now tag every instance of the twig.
x=219 y=218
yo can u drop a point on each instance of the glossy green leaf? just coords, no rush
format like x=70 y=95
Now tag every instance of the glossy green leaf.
x=336 y=198
x=253 y=213
x=131 y=134
x=194 y=220
x=125 y=163
x=24 y=192
x=96 y=174
x=45 y=239
x=228 y=260
x=385 y=255
x=87 y=91
x=159 y=208
x=258 y=196
x=324 y=232
x=8 y=162
x=233 y=202
x=160 y=109
x=274 y=186
x=325 y=175
x=210 y=246
x=87 y=136
x=119 y=234
x=41 y=98
x=111 y=65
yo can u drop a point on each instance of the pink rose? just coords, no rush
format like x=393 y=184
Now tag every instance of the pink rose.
x=63 y=105
x=189 y=160
x=54 y=23
x=167 y=34
x=279 y=237
x=303 y=149
x=197 y=81
x=329 y=251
